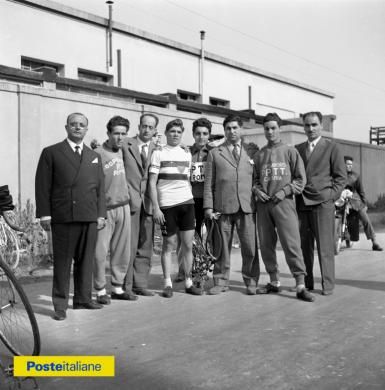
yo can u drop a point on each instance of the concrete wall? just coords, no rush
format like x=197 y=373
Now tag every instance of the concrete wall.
x=147 y=65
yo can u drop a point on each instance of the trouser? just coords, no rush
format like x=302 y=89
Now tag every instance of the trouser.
x=280 y=218
x=317 y=223
x=75 y=240
x=142 y=237
x=115 y=239
x=199 y=214
x=246 y=229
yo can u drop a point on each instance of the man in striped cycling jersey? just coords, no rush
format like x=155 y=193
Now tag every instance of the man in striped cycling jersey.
x=172 y=199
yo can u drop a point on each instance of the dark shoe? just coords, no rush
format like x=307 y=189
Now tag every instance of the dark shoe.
x=60 y=315
x=376 y=247
x=309 y=288
x=144 y=292
x=251 y=290
x=327 y=292
x=167 y=292
x=193 y=290
x=103 y=299
x=304 y=295
x=349 y=244
x=218 y=289
x=270 y=288
x=126 y=296
x=88 y=306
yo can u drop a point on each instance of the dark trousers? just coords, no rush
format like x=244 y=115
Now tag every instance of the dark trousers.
x=199 y=214
x=246 y=229
x=317 y=223
x=142 y=237
x=72 y=241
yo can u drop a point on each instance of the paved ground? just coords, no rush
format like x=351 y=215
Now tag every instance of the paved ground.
x=233 y=341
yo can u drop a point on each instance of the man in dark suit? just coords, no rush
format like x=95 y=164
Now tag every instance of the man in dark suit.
x=70 y=201
x=228 y=194
x=326 y=177
x=137 y=153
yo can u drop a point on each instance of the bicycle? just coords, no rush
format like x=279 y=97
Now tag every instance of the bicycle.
x=9 y=242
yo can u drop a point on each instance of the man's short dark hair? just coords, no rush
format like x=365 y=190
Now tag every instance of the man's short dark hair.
x=201 y=122
x=76 y=113
x=176 y=123
x=272 y=116
x=233 y=118
x=151 y=115
x=118 y=121
x=313 y=113
x=348 y=158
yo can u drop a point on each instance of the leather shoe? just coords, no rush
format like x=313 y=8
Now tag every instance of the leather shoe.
x=327 y=292
x=167 y=292
x=126 y=296
x=270 y=288
x=60 y=315
x=304 y=295
x=193 y=290
x=251 y=290
x=103 y=299
x=88 y=306
x=376 y=247
x=144 y=292
x=218 y=289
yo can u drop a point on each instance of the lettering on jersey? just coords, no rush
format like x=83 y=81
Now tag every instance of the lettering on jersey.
x=198 y=172
x=117 y=165
x=274 y=171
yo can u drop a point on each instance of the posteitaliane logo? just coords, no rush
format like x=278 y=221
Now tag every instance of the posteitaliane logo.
x=64 y=365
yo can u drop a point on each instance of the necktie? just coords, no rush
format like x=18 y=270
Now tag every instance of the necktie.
x=236 y=152
x=78 y=153
x=143 y=156
x=309 y=149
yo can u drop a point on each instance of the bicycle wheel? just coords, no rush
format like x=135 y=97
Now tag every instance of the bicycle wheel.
x=9 y=247
x=18 y=326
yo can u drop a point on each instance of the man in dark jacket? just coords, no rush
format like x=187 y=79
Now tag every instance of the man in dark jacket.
x=70 y=200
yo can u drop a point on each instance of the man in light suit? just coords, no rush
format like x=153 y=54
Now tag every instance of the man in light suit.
x=326 y=177
x=137 y=153
x=228 y=194
x=70 y=200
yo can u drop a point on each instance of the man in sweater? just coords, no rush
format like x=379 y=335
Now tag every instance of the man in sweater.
x=279 y=175
x=115 y=237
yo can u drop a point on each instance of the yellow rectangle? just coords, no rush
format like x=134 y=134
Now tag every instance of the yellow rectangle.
x=64 y=365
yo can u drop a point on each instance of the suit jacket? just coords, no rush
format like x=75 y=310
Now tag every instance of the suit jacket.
x=228 y=185
x=136 y=175
x=325 y=173
x=69 y=190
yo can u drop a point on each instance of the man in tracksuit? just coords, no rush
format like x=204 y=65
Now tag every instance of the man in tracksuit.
x=279 y=175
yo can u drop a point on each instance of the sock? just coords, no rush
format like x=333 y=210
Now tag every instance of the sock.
x=276 y=283
x=101 y=292
x=117 y=289
x=188 y=282
x=167 y=282
x=300 y=287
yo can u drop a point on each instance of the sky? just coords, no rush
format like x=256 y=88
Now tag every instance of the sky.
x=335 y=45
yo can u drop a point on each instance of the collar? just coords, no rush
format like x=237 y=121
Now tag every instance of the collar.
x=72 y=144
x=194 y=149
x=315 y=142
x=141 y=143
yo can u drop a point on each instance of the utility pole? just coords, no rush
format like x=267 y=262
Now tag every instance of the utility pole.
x=109 y=44
x=201 y=65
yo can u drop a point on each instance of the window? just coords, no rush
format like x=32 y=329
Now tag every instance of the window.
x=37 y=65
x=96 y=77
x=189 y=96
x=219 y=102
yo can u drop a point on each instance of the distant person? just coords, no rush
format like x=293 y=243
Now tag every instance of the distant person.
x=325 y=180
x=355 y=185
x=173 y=204
x=228 y=197
x=279 y=175
x=114 y=239
x=137 y=152
x=70 y=200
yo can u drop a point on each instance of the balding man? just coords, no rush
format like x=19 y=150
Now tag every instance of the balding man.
x=70 y=201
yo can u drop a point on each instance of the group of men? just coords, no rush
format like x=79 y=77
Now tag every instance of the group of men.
x=104 y=202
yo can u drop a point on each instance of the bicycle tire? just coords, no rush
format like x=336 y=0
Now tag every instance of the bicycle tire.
x=10 y=250
x=18 y=326
x=337 y=236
